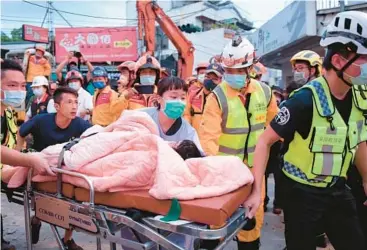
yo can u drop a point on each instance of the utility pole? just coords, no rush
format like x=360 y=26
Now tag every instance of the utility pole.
x=51 y=34
x=342 y=5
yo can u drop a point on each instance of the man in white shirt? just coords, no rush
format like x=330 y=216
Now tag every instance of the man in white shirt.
x=85 y=101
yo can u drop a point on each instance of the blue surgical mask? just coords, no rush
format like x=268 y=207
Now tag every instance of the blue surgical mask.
x=13 y=98
x=38 y=92
x=74 y=85
x=362 y=78
x=174 y=109
x=147 y=80
x=236 y=81
x=209 y=84
x=99 y=85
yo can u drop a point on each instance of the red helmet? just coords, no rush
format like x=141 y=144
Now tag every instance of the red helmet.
x=130 y=65
x=202 y=65
x=147 y=62
x=73 y=74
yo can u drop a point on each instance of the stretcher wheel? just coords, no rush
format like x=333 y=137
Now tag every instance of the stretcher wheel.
x=251 y=223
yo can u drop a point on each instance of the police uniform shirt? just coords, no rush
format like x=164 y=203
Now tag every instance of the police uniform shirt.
x=296 y=114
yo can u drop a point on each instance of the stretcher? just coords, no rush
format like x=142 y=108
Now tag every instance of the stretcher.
x=103 y=215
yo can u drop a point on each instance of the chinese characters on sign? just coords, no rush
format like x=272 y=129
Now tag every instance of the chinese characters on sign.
x=97 y=44
x=35 y=34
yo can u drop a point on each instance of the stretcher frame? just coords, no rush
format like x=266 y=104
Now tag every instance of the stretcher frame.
x=107 y=222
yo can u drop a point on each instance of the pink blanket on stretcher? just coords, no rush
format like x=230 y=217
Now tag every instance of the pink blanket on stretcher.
x=130 y=155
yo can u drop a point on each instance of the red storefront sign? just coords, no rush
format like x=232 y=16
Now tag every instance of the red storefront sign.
x=97 y=44
x=35 y=34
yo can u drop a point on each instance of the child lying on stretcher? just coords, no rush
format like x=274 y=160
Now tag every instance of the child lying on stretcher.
x=186 y=149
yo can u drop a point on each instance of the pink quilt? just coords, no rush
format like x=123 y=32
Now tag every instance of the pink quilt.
x=130 y=155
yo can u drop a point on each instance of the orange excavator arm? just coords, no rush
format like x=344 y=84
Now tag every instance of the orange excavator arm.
x=148 y=13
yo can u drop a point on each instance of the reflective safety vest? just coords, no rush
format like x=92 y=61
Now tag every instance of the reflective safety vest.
x=242 y=124
x=329 y=149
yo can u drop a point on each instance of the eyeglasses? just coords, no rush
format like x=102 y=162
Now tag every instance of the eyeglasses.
x=301 y=68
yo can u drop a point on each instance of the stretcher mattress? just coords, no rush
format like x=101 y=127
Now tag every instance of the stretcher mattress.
x=211 y=211
x=68 y=190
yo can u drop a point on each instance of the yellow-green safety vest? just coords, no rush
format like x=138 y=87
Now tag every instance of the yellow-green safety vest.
x=330 y=147
x=242 y=126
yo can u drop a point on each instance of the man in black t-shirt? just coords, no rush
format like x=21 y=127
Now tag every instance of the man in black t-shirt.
x=52 y=129
x=324 y=127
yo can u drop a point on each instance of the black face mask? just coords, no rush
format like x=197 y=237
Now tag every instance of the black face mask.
x=209 y=84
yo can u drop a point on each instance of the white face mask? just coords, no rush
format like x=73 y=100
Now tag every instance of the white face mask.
x=201 y=78
x=300 y=78
x=38 y=92
x=147 y=80
x=362 y=78
x=74 y=85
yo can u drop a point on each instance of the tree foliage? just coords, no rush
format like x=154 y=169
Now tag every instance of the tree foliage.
x=15 y=35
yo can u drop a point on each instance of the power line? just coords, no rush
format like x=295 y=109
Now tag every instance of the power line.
x=110 y=18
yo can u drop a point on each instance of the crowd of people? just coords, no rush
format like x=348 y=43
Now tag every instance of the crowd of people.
x=311 y=135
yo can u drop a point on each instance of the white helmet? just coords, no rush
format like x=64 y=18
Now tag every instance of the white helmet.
x=346 y=27
x=39 y=81
x=239 y=53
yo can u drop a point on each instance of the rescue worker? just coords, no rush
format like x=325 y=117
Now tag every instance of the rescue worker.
x=235 y=116
x=85 y=101
x=196 y=100
x=52 y=129
x=127 y=69
x=41 y=102
x=200 y=76
x=38 y=65
x=107 y=104
x=306 y=65
x=72 y=63
x=13 y=94
x=164 y=73
x=144 y=90
x=324 y=126
x=258 y=71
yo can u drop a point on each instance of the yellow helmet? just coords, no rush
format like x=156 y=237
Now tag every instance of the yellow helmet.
x=309 y=56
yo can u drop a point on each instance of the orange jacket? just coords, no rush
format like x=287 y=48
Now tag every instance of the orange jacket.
x=109 y=107
x=210 y=128
x=195 y=107
x=39 y=67
x=143 y=100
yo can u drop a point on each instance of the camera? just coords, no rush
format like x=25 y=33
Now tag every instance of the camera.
x=77 y=54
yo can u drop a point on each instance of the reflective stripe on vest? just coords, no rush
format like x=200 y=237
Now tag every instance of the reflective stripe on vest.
x=234 y=137
x=267 y=92
x=325 y=154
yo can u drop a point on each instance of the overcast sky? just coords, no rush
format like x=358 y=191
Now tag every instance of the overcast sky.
x=15 y=13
